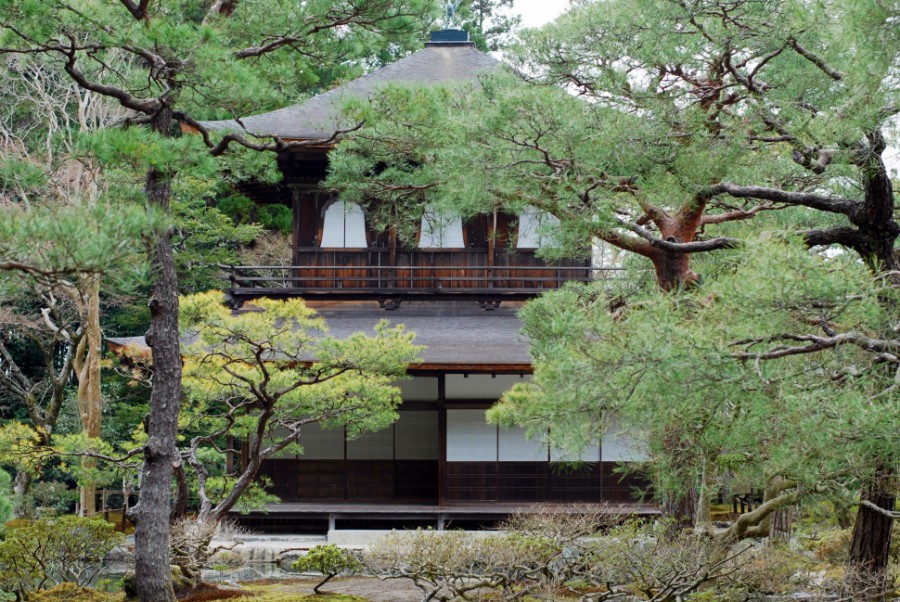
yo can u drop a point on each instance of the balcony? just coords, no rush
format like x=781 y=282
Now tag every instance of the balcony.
x=393 y=276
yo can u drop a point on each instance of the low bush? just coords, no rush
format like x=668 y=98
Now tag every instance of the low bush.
x=776 y=571
x=329 y=560
x=833 y=546
x=583 y=554
x=49 y=552
x=69 y=592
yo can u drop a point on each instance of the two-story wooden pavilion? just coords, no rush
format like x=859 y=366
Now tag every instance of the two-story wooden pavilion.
x=458 y=289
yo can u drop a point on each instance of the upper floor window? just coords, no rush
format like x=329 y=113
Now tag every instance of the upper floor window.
x=535 y=229
x=439 y=231
x=344 y=226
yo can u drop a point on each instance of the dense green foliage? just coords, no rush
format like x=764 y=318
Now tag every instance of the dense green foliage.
x=247 y=376
x=650 y=129
x=648 y=124
x=679 y=370
x=685 y=117
x=54 y=550
x=489 y=22
x=6 y=505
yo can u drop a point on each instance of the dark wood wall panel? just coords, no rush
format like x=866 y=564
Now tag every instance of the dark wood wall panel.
x=540 y=482
x=370 y=480
x=575 y=483
x=353 y=480
x=417 y=481
x=471 y=481
x=318 y=480
x=283 y=477
x=618 y=487
x=523 y=481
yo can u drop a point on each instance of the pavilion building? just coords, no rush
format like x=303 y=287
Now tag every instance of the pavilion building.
x=458 y=289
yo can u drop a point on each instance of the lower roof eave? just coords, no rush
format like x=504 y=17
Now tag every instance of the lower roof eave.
x=423 y=369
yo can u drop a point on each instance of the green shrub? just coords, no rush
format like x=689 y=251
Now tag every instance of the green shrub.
x=52 y=551
x=329 y=560
x=69 y=592
x=17 y=523
x=775 y=570
x=834 y=546
x=238 y=207
x=6 y=504
x=276 y=217
x=49 y=498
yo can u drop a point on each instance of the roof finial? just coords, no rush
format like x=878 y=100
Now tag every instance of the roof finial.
x=452 y=7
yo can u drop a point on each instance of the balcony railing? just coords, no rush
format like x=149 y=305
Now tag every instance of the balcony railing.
x=382 y=282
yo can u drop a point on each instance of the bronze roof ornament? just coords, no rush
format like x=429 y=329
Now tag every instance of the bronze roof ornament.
x=452 y=7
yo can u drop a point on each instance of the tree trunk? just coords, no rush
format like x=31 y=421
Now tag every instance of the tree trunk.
x=681 y=511
x=704 y=500
x=870 y=548
x=870 y=545
x=21 y=485
x=782 y=525
x=153 y=577
x=781 y=522
x=90 y=402
x=673 y=271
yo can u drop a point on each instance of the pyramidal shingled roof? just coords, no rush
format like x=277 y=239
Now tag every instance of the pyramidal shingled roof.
x=319 y=116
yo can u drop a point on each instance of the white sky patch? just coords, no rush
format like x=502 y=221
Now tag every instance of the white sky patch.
x=539 y=12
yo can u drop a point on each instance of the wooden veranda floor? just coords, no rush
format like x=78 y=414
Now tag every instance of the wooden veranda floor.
x=302 y=516
x=460 y=509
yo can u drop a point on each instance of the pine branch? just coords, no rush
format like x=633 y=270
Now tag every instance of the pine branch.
x=886 y=348
x=806 y=199
x=713 y=244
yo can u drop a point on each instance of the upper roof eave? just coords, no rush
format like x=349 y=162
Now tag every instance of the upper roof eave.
x=317 y=118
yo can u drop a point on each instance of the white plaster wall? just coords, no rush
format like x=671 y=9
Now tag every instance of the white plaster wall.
x=516 y=447
x=320 y=444
x=440 y=231
x=417 y=436
x=481 y=386
x=591 y=454
x=372 y=446
x=419 y=388
x=535 y=229
x=620 y=444
x=280 y=434
x=469 y=437
x=344 y=226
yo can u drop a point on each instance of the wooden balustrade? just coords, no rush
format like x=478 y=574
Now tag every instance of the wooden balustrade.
x=378 y=273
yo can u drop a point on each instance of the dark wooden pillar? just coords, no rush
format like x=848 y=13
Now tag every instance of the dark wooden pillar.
x=295 y=230
x=442 y=440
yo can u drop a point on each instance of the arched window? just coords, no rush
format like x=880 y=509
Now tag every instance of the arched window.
x=440 y=231
x=344 y=226
x=535 y=229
